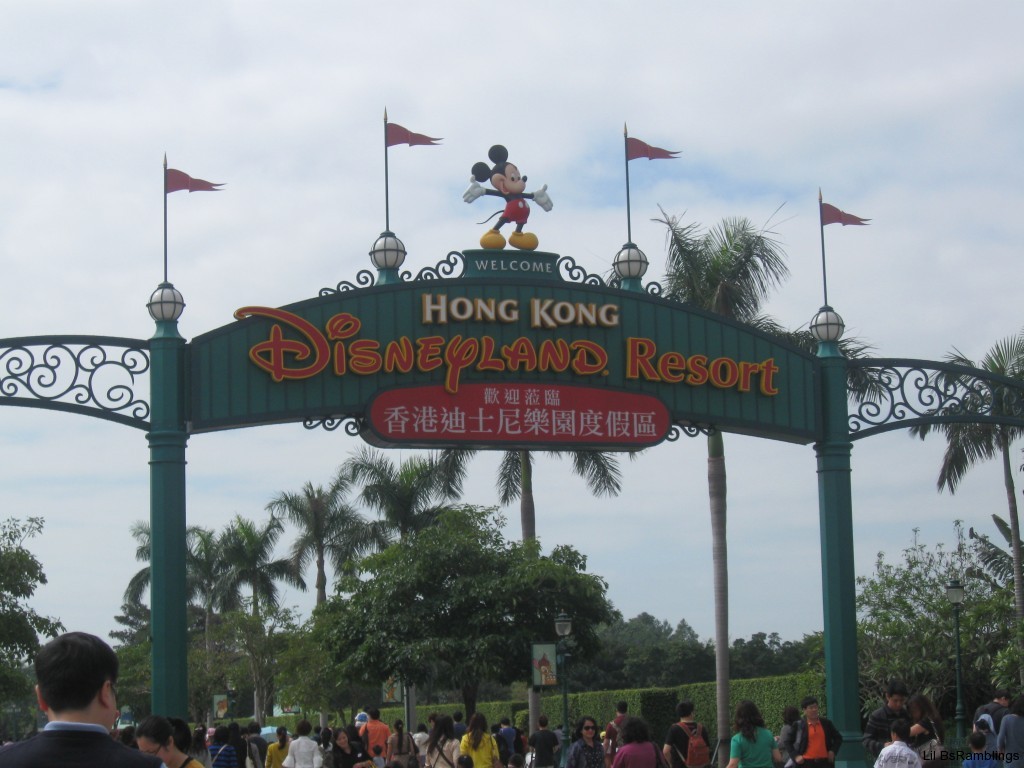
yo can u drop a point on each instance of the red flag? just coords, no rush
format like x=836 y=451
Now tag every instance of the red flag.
x=636 y=148
x=832 y=215
x=175 y=181
x=396 y=134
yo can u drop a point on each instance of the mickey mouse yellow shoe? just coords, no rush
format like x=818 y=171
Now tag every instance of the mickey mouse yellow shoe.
x=493 y=239
x=524 y=241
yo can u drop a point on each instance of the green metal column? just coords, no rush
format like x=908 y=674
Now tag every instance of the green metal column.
x=167 y=440
x=835 y=509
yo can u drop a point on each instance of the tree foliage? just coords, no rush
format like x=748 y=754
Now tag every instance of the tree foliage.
x=906 y=624
x=21 y=573
x=458 y=599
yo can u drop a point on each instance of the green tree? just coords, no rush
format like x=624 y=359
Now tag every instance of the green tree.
x=261 y=640
x=905 y=624
x=461 y=597
x=600 y=471
x=729 y=270
x=248 y=551
x=408 y=497
x=329 y=528
x=21 y=573
x=969 y=443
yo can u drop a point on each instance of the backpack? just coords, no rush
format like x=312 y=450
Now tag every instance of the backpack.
x=697 y=752
x=503 y=753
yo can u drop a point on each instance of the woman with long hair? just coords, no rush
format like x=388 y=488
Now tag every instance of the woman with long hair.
x=926 y=732
x=167 y=738
x=790 y=716
x=197 y=748
x=479 y=745
x=278 y=750
x=753 y=746
x=400 y=746
x=344 y=753
x=637 y=750
x=1010 y=740
x=442 y=747
x=222 y=754
x=586 y=750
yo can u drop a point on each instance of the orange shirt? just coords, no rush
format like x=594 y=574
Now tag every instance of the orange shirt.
x=375 y=733
x=816 y=749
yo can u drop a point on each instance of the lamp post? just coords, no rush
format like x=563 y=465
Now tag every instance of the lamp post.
x=955 y=595
x=563 y=628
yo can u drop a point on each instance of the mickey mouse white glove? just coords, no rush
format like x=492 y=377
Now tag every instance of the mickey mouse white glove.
x=541 y=198
x=473 y=191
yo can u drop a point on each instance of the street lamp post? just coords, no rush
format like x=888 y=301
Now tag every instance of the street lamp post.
x=955 y=595
x=563 y=628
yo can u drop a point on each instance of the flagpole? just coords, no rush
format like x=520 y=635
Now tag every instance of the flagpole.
x=165 y=217
x=821 y=228
x=625 y=154
x=387 y=201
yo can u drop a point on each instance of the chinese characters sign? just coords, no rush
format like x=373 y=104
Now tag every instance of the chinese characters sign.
x=518 y=414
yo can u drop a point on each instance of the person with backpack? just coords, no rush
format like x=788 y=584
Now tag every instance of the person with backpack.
x=686 y=743
x=815 y=739
x=612 y=733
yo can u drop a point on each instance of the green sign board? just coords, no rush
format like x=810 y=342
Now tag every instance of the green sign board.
x=509 y=353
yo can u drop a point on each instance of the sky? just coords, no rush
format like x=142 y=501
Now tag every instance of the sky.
x=908 y=114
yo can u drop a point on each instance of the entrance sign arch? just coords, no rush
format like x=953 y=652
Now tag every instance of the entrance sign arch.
x=493 y=349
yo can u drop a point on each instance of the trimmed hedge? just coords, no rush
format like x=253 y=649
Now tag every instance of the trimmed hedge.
x=655 y=705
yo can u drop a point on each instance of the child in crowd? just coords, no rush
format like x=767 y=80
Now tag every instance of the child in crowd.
x=897 y=754
x=981 y=756
x=378 y=756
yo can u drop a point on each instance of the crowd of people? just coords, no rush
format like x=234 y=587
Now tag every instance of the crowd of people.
x=76 y=677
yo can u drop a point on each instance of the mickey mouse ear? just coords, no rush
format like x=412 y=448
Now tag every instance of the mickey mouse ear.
x=498 y=154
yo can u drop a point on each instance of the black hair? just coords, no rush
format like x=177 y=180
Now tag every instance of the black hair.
x=1017 y=706
x=282 y=736
x=304 y=727
x=790 y=715
x=977 y=740
x=221 y=734
x=578 y=733
x=900 y=729
x=160 y=730
x=444 y=730
x=684 y=709
x=457 y=715
x=896 y=688
x=254 y=728
x=622 y=706
x=71 y=670
x=806 y=701
x=542 y=721
x=748 y=719
x=634 y=730
x=516 y=760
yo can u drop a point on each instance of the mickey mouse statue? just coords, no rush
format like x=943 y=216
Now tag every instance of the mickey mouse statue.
x=508 y=184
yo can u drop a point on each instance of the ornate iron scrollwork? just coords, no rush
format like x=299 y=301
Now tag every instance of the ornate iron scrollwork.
x=574 y=273
x=364 y=279
x=445 y=268
x=907 y=393
x=689 y=429
x=351 y=425
x=92 y=375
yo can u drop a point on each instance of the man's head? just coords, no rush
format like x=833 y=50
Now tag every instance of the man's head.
x=457 y=716
x=506 y=723
x=900 y=730
x=896 y=694
x=374 y=713
x=75 y=672
x=810 y=707
x=684 y=709
x=622 y=707
x=542 y=721
x=977 y=741
x=1004 y=697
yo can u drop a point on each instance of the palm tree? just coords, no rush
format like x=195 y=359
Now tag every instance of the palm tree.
x=329 y=528
x=515 y=477
x=729 y=270
x=407 y=496
x=247 y=550
x=970 y=443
